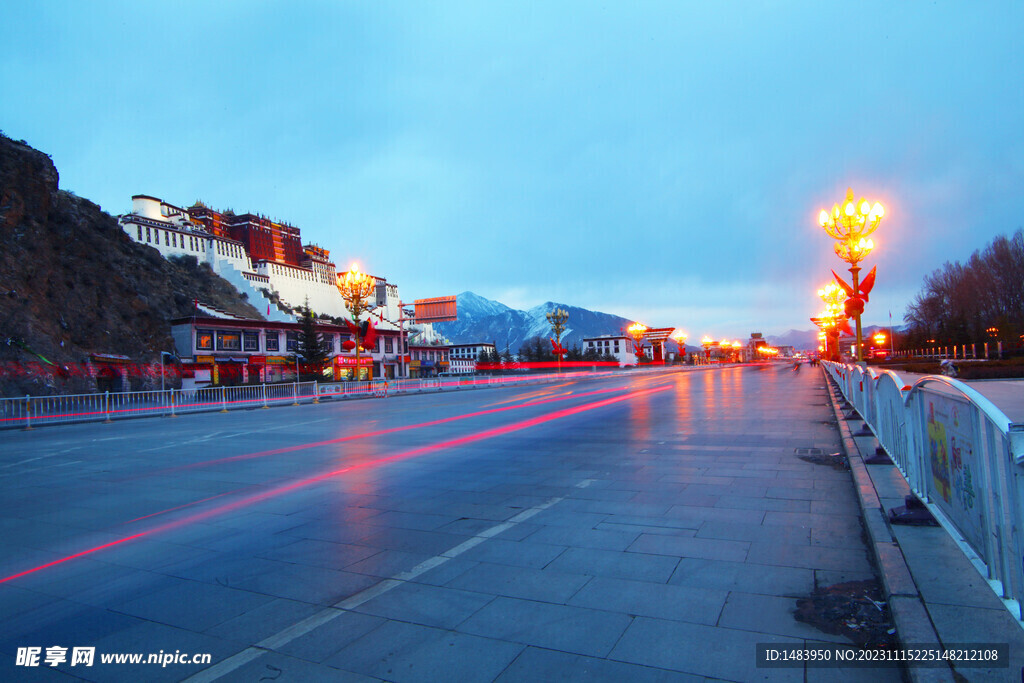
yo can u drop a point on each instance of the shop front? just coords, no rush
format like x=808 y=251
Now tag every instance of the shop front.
x=230 y=371
x=255 y=371
x=275 y=368
x=344 y=368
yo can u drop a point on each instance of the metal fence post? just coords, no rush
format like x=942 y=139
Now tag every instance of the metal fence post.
x=28 y=412
x=264 y=387
x=172 y=403
x=223 y=399
x=316 y=391
x=107 y=402
x=295 y=394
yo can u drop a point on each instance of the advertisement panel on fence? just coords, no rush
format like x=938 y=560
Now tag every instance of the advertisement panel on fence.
x=954 y=467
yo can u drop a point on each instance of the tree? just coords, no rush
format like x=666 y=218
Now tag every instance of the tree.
x=311 y=346
x=961 y=302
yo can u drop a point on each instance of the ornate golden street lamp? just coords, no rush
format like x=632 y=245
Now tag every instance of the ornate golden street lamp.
x=557 y=320
x=637 y=332
x=355 y=289
x=680 y=338
x=850 y=226
x=706 y=342
x=831 y=318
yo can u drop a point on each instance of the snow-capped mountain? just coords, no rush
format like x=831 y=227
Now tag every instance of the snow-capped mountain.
x=484 y=320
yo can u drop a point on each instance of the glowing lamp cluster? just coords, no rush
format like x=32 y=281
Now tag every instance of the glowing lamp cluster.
x=355 y=285
x=850 y=225
x=355 y=289
x=636 y=330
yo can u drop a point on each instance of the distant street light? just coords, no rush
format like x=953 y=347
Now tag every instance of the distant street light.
x=557 y=320
x=831 y=318
x=706 y=342
x=680 y=338
x=850 y=226
x=355 y=289
x=162 y=355
x=637 y=332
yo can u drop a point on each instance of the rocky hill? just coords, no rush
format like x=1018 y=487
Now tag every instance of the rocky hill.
x=72 y=285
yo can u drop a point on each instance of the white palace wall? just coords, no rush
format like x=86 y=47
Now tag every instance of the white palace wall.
x=170 y=230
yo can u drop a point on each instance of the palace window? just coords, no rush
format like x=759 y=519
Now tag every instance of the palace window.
x=291 y=341
x=273 y=341
x=229 y=341
x=204 y=340
x=140 y=233
x=250 y=341
x=388 y=345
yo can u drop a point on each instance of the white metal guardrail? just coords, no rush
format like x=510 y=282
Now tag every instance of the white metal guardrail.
x=961 y=456
x=33 y=411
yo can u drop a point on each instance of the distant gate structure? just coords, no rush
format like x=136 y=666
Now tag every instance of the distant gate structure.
x=658 y=336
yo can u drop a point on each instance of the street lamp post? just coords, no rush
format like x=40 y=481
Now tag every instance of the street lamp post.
x=707 y=342
x=162 y=355
x=831 y=318
x=557 y=320
x=163 y=374
x=637 y=331
x=680 y=338
x=355 y=289
x=850 y=226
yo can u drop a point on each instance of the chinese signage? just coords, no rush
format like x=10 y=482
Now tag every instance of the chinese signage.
x=344 y=360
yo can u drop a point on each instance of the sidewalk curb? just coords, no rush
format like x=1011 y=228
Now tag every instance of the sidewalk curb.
x=913 y=625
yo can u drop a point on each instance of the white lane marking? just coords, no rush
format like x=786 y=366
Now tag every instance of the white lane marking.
x=15 y=464
x=301 y=628
x=585 y=483
x=231 y=435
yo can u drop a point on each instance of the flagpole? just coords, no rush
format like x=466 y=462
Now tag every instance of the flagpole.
x=892 y=340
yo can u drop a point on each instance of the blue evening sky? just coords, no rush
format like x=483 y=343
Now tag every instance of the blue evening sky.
x=664 y=161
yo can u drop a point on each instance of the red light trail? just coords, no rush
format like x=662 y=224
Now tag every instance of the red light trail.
x=379 y=432
x=309 y=481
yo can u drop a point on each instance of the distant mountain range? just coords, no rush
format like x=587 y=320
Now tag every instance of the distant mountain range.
x=485 y=320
